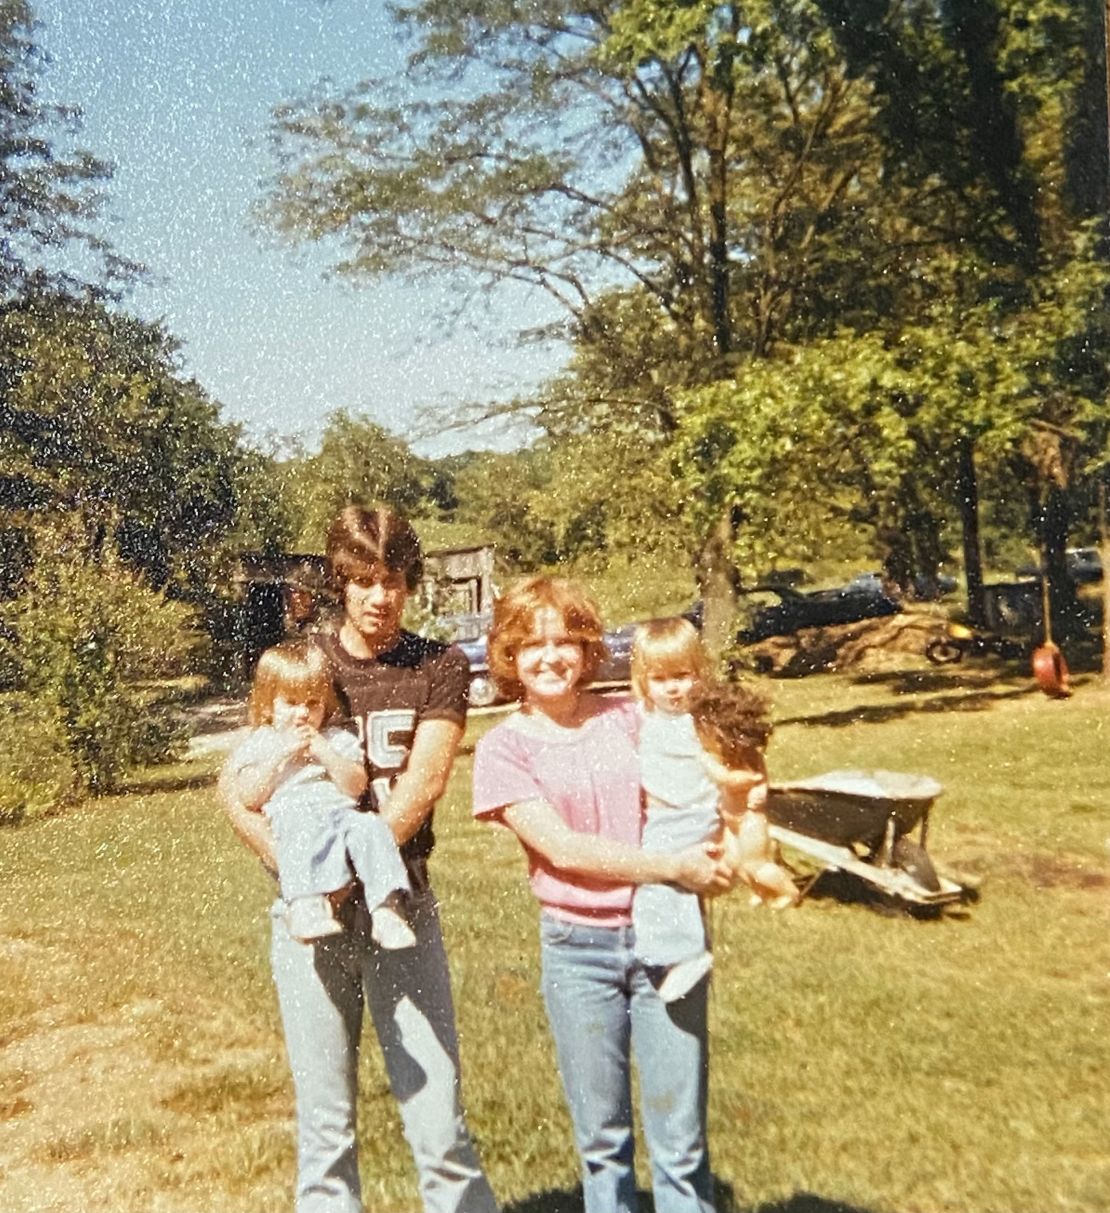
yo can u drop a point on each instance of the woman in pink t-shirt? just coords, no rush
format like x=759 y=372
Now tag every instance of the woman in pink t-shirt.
x=563 y=774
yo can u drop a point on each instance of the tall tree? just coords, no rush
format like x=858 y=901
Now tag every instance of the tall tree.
x=704 y=186
x=97 y=422
x=674 y=168
x=51 y=189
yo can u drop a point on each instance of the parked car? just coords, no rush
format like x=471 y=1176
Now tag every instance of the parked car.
x=1084 y=565
x=923 y=587
x=779 y=611
x=483 y=690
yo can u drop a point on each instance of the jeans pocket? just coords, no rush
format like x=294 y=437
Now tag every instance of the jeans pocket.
x=555 y=930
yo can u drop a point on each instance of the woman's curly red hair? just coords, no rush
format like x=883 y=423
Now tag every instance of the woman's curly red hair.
x=514 y=624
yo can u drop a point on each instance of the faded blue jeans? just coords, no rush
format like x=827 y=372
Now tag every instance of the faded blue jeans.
x=603 y=1008
x=323 y=988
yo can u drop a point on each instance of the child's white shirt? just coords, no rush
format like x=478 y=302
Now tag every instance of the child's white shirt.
x=681 y=813
x=671 y=769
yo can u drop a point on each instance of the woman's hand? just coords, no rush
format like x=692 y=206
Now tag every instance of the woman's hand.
x=703 y=869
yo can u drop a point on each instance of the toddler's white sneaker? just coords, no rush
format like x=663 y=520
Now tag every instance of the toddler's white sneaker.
x=311 y=918
x=389 y=929
x=683 y=976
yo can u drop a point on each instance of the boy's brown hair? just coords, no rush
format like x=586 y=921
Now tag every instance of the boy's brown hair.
x=297 y=670
x=360 y=539
x=732 y=722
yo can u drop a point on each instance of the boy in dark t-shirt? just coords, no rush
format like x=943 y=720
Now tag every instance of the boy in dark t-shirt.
x=387 y=697
x=407 y=697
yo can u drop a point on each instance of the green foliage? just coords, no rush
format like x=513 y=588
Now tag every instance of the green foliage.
x=358 y=461
x=84 y=632
x=863 y=426
x=96 y=421
x=498 y=494
x=807 y=248
x=37 y=772
x=51 y=190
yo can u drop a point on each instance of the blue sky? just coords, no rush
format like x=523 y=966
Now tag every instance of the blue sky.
x=177 y=96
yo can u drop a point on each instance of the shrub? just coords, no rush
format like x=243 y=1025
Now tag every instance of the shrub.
x=83 y=632
x=36 y=769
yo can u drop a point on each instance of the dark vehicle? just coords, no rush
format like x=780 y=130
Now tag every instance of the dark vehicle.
x=483 y=692
x=925 y=589
x=818 y=609
x=1084 y=565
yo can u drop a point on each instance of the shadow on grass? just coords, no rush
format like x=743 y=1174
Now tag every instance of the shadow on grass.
x=174 y=779
x=845 y=888
x=808 y=1202
x=976 y=700
x=565 y=1200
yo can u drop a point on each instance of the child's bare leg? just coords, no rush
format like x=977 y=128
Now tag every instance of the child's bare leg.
x=754 y=852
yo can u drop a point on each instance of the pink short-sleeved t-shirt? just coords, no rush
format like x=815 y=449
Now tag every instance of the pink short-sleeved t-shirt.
x=592 y=780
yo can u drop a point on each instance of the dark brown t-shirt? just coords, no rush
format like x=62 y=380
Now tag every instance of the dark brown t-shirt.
x=387 y=696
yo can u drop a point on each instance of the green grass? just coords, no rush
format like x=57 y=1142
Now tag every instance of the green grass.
x=861 y=1063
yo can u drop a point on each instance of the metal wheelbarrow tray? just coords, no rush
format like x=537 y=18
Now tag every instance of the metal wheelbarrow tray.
x=860 y=822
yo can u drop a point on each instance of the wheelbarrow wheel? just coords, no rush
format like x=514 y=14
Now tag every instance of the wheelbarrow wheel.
x=914 y=860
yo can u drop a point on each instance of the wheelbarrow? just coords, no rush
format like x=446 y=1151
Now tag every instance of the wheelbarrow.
x=862 y=822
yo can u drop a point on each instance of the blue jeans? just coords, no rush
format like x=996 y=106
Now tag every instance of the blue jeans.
x=602 y=1007
x=322 y=988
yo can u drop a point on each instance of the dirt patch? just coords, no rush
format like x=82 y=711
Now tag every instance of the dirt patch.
x=869 y=645
x=98 y=1115
x=980 y=857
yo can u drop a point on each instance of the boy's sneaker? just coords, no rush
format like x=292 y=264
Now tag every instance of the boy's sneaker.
x=682 y=977
x=389 y=930
x=309 y=918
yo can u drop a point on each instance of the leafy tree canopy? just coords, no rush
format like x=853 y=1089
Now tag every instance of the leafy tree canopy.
x=51 y=189
x=96 y=421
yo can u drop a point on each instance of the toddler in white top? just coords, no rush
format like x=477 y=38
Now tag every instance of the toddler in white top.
x=692 y=796
x=307 y=779
x=681 y=800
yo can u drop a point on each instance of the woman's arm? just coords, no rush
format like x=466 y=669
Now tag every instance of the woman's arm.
x=542 y=830
x=424 y=779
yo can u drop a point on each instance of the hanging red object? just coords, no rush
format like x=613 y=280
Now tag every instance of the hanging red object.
x=1051 y=671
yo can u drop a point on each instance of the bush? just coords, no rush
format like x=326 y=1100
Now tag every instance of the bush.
x=83 y=632
x=36 y=770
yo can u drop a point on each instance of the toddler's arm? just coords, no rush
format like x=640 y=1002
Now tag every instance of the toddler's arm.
x=348 y=774
x=255 y=768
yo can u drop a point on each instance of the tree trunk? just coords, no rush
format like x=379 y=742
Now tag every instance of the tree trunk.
x=1104 y=559
x=1062 y=602
x=967 y=500
x=718 y=583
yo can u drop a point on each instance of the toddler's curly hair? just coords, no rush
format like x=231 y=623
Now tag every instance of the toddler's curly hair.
x=732 y=721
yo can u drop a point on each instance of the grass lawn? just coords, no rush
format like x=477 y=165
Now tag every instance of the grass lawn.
x=860 y=1062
